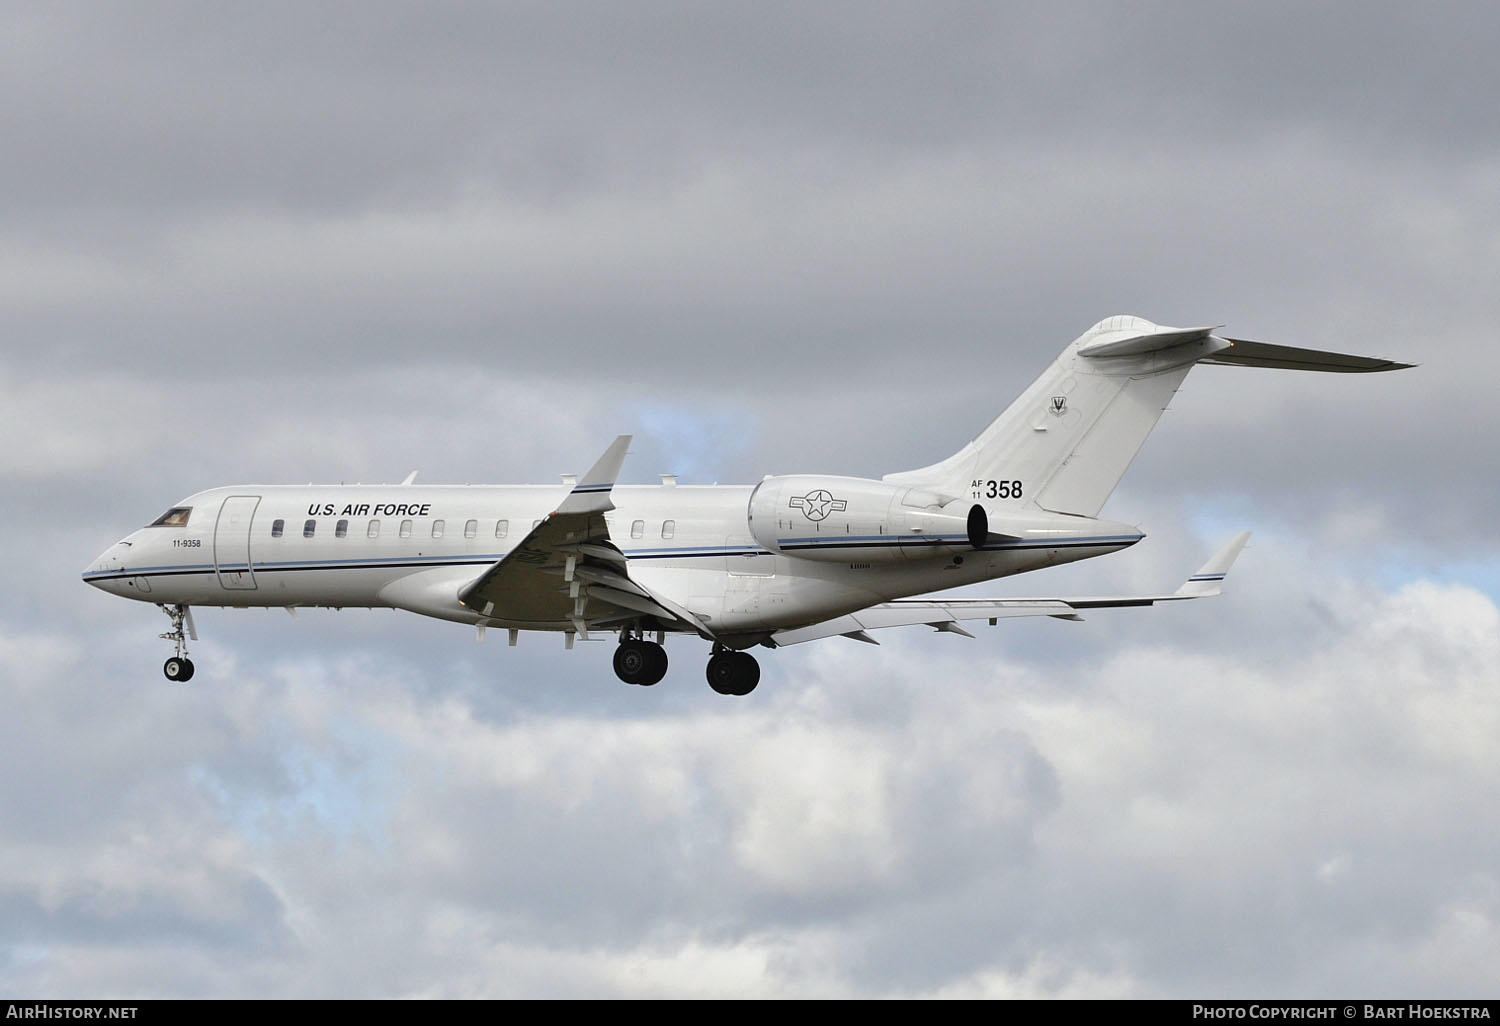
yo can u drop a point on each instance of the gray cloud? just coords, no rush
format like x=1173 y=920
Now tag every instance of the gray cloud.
x=343 y=104
x=341 y=243
x=1182 y=822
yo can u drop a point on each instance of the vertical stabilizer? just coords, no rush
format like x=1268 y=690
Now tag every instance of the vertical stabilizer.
x=1067 y=441
x=1065 y=444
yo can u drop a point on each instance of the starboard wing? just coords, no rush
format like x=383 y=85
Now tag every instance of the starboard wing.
x=946 y=614
x=567 y=570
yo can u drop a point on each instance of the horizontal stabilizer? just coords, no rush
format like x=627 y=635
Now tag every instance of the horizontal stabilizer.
x=1262 y=354
x=1064 y=444
x=1132 y=341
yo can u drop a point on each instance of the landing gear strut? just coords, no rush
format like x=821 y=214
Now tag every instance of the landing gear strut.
x=179 y=667
x=638 y=661
x=733 y=673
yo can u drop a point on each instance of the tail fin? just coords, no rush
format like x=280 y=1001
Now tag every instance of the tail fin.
x=1067 y=441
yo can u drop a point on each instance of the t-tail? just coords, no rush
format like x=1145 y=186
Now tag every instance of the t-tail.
x=1066 y=442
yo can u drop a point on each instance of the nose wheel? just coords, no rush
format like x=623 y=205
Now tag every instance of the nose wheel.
x=179 y=668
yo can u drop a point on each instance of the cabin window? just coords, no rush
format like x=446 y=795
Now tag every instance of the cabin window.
x=177 y=516
x=374 y=529
x=668 y=528
x=405 y=531
x=341 y=529
x=502 y=528
x=437 y=528
x=308 y=528
x=277 y=526
x=471 y=528
x=637 y=529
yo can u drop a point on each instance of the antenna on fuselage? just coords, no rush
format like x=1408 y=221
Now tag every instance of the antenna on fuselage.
x=410 y=478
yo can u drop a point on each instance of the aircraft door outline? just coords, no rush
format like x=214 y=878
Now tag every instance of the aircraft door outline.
x=232 y=543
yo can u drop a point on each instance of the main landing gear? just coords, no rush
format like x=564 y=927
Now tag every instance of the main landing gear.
x=732 y=673
x=179 y=668
x=638 y=661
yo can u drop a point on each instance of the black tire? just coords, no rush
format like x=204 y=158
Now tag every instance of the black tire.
x=733 y=673
x=749 y=673
x=657 y=668
x=176 y=669
x=722 y=673
x=633 y=662
x=187 y=670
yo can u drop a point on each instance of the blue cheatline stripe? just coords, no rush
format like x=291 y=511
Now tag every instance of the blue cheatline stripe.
x=683 y=552
x=887 y=540
x=293 y=567
x=695 y=551
x=1208 y=577
x=396 y=562
x=309 y=564
x=333 y=564
x=578 y=489
x=834 y=539
x=144 y=571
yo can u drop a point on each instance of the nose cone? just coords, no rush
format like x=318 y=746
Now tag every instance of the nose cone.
x=107 y=571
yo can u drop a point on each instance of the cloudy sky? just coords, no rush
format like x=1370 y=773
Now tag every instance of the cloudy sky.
x=293 y=242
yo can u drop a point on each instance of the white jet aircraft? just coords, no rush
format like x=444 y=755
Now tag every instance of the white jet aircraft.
x=788 y=560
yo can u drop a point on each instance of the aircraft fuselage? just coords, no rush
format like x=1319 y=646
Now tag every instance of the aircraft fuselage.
x=792 y=559
x=412 y=547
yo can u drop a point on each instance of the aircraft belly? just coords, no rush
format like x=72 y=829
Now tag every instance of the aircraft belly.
x=431 y=592
x=697 y=588
x=784 y=600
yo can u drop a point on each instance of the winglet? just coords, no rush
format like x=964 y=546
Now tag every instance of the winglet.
x=1210 y=577
x=591 y=494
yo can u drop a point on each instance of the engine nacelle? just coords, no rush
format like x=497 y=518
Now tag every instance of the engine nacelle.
x=853 y=519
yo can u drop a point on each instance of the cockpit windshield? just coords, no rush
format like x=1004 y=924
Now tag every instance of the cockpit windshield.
x=177 y=516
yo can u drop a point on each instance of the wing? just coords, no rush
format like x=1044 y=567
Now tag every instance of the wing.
x=945 y=614
x=568 y=571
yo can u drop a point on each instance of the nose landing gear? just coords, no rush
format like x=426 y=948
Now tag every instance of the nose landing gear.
x=179 y=668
